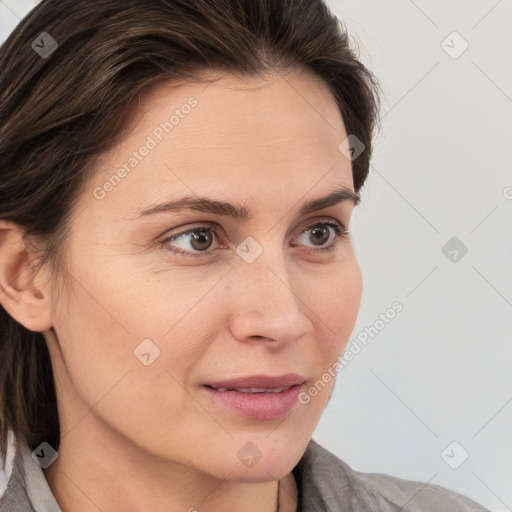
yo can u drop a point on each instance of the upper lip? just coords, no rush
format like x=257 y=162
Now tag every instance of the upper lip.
x=260 y=381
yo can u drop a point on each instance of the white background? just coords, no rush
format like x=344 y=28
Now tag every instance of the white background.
x=438 y=372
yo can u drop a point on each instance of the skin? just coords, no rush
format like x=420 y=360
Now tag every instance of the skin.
x=270 y=145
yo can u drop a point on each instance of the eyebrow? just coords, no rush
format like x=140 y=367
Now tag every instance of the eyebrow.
x=240 y=212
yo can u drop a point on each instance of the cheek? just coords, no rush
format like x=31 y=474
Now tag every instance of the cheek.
x=96 y=348
x=107 y=316
x=337 y=304
x=98 y=333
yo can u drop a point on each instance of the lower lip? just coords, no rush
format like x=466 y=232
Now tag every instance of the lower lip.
x=259 y=406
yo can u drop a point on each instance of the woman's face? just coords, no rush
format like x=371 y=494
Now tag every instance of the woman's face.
x=256 y=286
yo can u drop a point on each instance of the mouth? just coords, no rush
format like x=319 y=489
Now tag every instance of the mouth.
x=258 y=397
x=259 y=382
x=251 y=390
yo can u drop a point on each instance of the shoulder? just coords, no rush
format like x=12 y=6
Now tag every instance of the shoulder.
x=16 y=495
x=409 y=495
x=333 y=483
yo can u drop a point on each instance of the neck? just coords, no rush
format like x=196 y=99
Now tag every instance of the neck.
x=287 y=494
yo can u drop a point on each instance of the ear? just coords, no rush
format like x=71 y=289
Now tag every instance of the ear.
x=22 y=292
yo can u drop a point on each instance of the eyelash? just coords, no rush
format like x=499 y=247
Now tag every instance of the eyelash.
x=341 y=234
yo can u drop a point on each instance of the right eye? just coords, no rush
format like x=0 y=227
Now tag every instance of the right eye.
x=199 y=239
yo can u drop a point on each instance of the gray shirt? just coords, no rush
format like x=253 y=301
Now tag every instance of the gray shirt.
x=324 y=483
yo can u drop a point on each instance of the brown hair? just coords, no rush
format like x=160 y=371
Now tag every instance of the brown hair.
x=59 y=112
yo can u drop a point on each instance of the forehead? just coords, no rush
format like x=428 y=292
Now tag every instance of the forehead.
x=288 y=88
x=243 y=133
x=242 y=110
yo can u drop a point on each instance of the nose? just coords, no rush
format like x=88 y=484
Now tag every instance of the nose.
x=266 y=303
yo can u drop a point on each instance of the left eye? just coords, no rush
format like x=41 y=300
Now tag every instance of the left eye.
x=321 y=230
x=200 y=238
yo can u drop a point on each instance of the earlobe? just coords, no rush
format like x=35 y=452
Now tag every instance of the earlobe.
x=19 y=293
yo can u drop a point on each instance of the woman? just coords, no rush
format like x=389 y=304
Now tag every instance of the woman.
x=177 y=183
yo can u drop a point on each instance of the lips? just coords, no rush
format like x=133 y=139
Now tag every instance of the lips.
x=254 y=390
x=259 y=383
x=258 y=397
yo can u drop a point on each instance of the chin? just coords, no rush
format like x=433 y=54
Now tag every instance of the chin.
x=261 y=472
x=263 y=458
